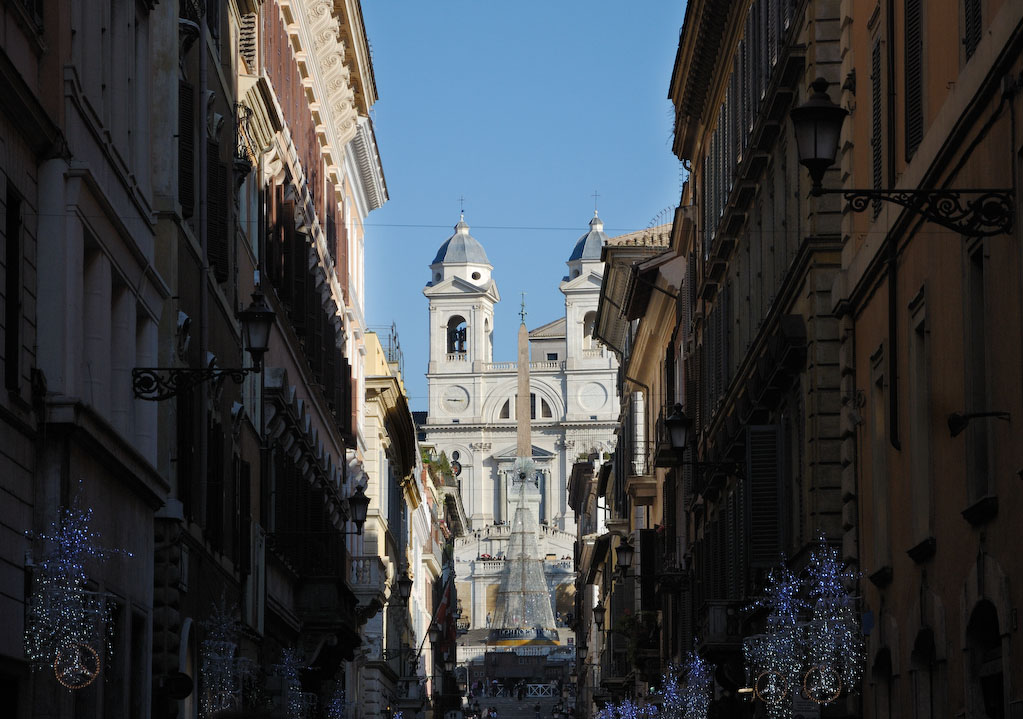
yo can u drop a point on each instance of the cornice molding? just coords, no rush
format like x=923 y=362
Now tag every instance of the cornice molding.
x=315 y=35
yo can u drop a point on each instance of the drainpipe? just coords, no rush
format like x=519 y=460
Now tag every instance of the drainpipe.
x=204 y=330
x=893 y=248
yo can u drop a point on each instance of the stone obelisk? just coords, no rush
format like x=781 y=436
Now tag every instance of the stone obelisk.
x=523 y=444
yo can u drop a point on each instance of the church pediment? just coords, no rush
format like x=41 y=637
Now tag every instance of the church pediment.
x=511 y=454
x=589 y=281
x=551 y=330
x=456 y=286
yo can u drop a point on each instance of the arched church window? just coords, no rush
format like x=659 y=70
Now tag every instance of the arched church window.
x=506 y=410
x=589 y=322
x=984 y=643
x=457 y=335
x=545 y=409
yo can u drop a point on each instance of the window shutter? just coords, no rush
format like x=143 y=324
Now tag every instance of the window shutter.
x=649 y=563
x=186 y=148
x=763 y=459
x=299 y=253
x=971 y=25
x=247 y=45
x=914 y=77
x=875 y=119
x=245 y=516
x=216 y=215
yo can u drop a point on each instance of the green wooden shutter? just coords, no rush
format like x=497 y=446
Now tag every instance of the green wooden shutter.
x=971 y=25
x=914 y=76
x=216 y=213
x=186 y=148
x=763 y=472
x=875 y=119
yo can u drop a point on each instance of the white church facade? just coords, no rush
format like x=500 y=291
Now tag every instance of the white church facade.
x=471 y=416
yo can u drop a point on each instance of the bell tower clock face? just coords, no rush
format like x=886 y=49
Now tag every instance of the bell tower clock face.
x=456 y=399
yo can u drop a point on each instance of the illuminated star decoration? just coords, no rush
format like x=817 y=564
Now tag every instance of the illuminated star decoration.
x=65 y=620
x=775 y=657
x=835 y=646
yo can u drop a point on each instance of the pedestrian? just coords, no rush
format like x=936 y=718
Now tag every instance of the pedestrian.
x=537 y=710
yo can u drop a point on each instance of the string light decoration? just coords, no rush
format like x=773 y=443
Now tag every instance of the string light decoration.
x=775 y=658
x=296 y=702
x=66 y=622
x=672 y=706
x=220 y=669
x=697 y=685
x=835 y=647
x=813 y=643
x=627 y=709
x=336 y=704
x=76 y=667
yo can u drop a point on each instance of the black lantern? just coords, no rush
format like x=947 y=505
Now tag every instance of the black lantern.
x=358 y=505
x=257 y=320
x=434 y=632
x=625 y=552
x=404 y=586
x=678 y=425
x=818 y=125
x=598 y=616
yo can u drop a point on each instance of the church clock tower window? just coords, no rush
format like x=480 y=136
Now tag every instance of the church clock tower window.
x=457 y=335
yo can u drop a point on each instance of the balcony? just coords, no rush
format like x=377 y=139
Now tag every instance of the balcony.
x=719 y=625
x=369 y=584
x=640 y=481
x=457 y=357
x=665 y=455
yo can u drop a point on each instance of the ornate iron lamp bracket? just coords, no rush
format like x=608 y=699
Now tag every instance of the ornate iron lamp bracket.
x=160 y=383
x=989 y=212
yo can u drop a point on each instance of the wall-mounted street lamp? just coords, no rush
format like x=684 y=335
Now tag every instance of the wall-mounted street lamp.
x=598 y=616
x=160 y=383
x=679 y=429
x=818 y=126
x=404 y=587
x=358 y=506
x=625 y=554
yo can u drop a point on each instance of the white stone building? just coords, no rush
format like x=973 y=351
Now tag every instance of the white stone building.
x=471 y=415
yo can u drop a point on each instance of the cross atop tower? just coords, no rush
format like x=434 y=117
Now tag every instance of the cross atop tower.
x=461 y=204
x=522 y=312
x=595 y=196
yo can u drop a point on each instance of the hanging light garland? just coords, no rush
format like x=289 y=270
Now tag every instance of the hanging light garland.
x=66 y=622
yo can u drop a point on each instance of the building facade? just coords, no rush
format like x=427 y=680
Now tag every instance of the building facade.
x=472 y=410
x=160 y=163
x=930 y=345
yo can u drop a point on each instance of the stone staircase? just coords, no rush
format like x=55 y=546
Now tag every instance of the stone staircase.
x=509 y=708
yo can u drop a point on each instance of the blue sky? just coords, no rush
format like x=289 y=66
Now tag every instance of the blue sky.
x=525 y=109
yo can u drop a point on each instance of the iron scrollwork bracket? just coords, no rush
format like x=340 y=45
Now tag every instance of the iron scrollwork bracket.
x=986 y=213
x=160 y=383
